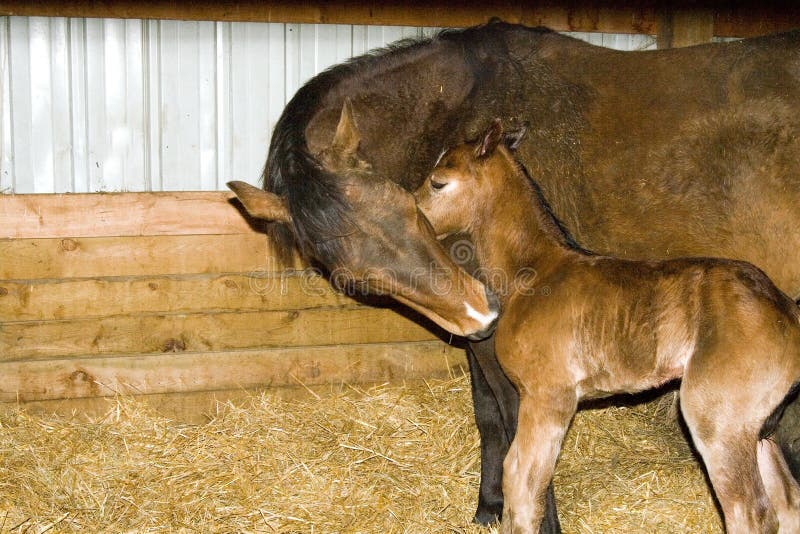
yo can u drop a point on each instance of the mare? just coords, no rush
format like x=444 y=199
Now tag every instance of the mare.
x=667 y=153
x=607 y=326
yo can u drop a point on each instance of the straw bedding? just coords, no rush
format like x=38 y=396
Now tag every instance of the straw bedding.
x=388 y=458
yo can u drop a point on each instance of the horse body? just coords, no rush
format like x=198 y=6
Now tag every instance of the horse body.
x=605 y=326
x=684 y=152
x=641 y=155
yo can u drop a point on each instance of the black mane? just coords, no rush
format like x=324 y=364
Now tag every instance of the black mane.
x=566 y=236
x=320 y=211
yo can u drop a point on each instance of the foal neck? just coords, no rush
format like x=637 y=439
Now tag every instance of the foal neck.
x=514 y=230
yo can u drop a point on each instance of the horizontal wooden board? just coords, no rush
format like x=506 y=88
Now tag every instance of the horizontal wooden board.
x=186 y=372
x=121 y=214
x=38 y=300
x=206 y=332
x=26 y=259
x=198 y=407
x=735 y=19
x=193 y=407
x=564 y=16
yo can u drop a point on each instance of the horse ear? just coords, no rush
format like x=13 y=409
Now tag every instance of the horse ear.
x=513 y=138
x=261 y=204
x=491 y=138
x=346 y=138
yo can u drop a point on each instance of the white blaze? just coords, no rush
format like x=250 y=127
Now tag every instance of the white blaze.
x=484 y=318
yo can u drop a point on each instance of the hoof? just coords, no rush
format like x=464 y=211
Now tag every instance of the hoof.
x=488 y=515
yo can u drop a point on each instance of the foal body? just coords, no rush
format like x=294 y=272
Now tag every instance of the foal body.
x=594 y=326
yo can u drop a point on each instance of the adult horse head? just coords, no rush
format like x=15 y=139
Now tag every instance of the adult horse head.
x=368 y=232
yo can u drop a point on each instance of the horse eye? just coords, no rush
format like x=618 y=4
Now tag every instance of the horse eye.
x=437 y=185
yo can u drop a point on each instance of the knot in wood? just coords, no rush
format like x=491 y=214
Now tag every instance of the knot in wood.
x=80 y=376
x=69 y=245
x=174 y=345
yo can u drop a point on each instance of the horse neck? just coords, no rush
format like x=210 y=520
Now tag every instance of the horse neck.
x=514 y=230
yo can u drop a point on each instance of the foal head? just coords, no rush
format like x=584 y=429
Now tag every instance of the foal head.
x=467 y=177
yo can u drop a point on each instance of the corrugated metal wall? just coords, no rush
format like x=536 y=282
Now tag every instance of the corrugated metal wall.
x=134 y=105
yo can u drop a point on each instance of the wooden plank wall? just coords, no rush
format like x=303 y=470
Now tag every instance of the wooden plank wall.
x=729 y=19
x=153 y=293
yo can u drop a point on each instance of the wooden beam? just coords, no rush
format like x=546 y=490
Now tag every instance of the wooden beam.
x=685 y=27
x=122 y=214
x=198 y=407
x=48 y=300
x=198 y=371
x=732 y=19
x=204 y=331
x=26 y=259
x=634 y=17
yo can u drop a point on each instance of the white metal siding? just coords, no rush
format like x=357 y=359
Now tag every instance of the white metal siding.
x=134 y=105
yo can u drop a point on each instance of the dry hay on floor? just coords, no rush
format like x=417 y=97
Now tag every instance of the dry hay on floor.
x=391 y=458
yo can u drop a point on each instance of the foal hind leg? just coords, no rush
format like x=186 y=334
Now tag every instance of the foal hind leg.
x=781 y=487
x=728 y=449
x=528 y=468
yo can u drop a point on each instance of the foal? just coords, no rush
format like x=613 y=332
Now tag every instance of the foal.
x=595 y=326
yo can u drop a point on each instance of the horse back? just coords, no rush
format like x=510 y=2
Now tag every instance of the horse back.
x=681 y=152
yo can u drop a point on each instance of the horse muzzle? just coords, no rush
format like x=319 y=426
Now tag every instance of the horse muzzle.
x=494 y=309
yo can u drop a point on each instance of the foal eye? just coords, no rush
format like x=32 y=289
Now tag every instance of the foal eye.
x=437 y=185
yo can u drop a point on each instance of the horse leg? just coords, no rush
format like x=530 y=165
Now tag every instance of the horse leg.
x=494 y=442
x=781 y=487
x=788 y=436
x=496 y=404
x=727 y=442
x=544 y=418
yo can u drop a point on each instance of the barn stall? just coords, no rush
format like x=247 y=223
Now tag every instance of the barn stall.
x=161 y=369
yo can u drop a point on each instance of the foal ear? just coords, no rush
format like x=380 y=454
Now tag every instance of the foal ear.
x=491 y=138
x=513 y=138
x=261 y=204
x=346 y=138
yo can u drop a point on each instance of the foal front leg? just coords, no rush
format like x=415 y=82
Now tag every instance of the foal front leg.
x=544 y=417
x=496 y=404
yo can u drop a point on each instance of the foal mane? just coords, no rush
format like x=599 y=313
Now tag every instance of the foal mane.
x=559 y=231
x=321 y=214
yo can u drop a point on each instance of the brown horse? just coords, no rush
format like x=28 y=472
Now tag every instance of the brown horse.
x=465 y=308
x=657 y=154
x=606 y=326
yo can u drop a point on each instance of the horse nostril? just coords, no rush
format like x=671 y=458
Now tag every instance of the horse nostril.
x=485 y=333
x=494 y=308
